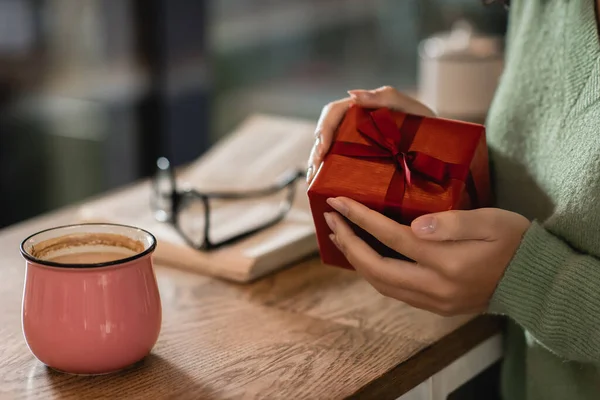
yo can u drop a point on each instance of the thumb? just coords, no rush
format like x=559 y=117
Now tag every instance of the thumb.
x=456 y=225
x=389 y=97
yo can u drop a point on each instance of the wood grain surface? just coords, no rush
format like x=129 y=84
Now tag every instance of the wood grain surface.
x=307 y=332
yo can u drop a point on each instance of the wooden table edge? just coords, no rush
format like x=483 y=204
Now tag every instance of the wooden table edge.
x=430 y=360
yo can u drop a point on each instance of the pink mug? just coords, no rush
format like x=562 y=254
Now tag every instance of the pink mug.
x=90 y=318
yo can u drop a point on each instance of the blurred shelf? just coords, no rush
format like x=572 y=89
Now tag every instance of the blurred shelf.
x=274 y=21
x=119 y=83
x=108 y=84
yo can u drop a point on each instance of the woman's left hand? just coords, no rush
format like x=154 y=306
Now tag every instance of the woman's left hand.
x=460 y=256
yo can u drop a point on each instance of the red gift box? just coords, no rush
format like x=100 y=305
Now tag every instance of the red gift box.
x=402 y=166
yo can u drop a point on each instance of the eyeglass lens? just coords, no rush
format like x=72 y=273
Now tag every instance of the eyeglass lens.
x=228 y=218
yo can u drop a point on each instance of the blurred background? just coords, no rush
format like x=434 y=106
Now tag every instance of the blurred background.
x=93 y=91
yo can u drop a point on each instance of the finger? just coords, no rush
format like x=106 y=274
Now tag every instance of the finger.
x=394 y=235
x=374 y=267
x=412 y=298
x=457 y=225
x=331 y=116
x=314 y=161
x=415 y=297
x=387 y=96
x=438 y=305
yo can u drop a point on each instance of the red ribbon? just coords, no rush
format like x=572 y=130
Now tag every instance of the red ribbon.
x=388 y=142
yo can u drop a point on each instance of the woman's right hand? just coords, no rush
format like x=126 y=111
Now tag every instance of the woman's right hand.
x=334 y=112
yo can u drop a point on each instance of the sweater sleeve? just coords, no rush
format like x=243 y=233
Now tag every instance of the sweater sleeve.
x=554 y=293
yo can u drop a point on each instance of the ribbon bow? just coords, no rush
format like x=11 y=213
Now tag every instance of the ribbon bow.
x=388 y=142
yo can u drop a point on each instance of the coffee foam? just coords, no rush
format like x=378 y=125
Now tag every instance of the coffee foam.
x=86 y=242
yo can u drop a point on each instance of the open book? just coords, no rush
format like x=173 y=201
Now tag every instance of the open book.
x=254 y=156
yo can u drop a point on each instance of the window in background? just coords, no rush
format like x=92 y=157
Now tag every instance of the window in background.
x=293 y=57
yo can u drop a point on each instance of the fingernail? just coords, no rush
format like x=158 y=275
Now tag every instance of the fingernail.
x=318 y=133
x=309 y=173
x=338 y=205
x=330 y=221
x=424 y=225
x=319 y=146
x=332 y=238
x=359 y=94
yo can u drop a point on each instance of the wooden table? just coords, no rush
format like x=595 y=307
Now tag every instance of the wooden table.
x=309 y=332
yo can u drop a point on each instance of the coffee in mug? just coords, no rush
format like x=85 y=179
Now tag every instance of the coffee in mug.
x=87 y=248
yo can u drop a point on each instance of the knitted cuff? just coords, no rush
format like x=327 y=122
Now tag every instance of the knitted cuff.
x=522 y=291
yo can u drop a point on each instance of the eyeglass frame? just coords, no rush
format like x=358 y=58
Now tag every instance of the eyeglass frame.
x=286 y=181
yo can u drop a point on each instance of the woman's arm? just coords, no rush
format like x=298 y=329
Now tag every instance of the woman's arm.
x=554 y=293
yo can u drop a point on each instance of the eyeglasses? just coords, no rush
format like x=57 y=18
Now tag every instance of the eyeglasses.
x=197 y=216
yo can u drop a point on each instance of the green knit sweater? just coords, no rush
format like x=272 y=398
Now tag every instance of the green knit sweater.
x=544 y=139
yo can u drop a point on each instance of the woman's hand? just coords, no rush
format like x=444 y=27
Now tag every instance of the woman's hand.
x=460 y=256
x=333 y=113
